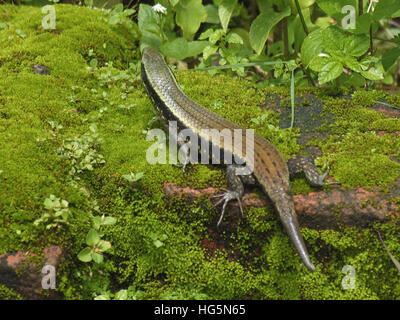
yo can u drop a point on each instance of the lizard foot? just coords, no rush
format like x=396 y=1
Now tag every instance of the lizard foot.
x=226 y=197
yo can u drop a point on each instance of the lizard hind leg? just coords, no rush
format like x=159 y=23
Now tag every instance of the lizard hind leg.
x=306 y=164
x=235 y=182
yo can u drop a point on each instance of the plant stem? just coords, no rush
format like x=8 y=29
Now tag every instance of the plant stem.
x=285 y=38
x=303 y=22
x=360 y=7
x=292 y=99
x=371 y=43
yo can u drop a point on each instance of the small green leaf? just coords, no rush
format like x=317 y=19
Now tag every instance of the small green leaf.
x=97 y=257
x=234 y=38
x=85 y=255
x=138 y=176
x=208 y=51
x=312 y=46
x=93 y=63
x=121 y=295
x=206 y=34
x=104 y=245
x=157 y=243
x=216 y=36
x=20 y=33
x=92 y=237
x=110 y=220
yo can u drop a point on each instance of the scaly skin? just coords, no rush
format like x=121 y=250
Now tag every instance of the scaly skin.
x=267 y=164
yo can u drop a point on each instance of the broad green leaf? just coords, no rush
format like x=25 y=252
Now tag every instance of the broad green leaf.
x=195 y=48
x=212 y=14
x=330 y=71
x=265 y=5
x=261 y=27
x=385 y=9
x=319 y=62
x=312 y=46
x=174 y=2
x=356 y=45
x=189 y=15
x=353 y=80
x=371 y=69
x=334 y=40
x=363 y=23
x=303 y=4
x=334 y=7
x=225 y=11
x=85 y=255
x=352 y=63
x=373 y=74
x=389 y=57
x=176 y=48
x=148 y=26
x=338 y=41
x=92 y=237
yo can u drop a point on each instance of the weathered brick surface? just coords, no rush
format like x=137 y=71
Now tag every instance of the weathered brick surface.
x=25 y=277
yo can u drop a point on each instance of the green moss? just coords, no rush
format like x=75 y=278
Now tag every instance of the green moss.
x=367 y=98
x=8 y=294
x=362 y=159
x=164 y=248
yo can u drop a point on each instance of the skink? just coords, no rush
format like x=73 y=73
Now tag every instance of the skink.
x=268 y=168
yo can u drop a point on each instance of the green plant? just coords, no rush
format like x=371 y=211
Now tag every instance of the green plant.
x=81 y=152
x=96 y=246
x=297 y=32
x=57 y=213
x=119 y=16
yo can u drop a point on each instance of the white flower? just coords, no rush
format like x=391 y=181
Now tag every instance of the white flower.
x=371 y=7
x=160 y=9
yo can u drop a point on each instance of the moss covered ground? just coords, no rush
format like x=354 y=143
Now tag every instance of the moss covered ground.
x=79 y=132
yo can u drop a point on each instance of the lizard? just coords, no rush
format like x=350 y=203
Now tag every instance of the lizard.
x=266 y=165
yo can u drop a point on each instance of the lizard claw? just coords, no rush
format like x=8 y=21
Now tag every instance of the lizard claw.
x=322 y=177
x=226 y=197
x=183 y=166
